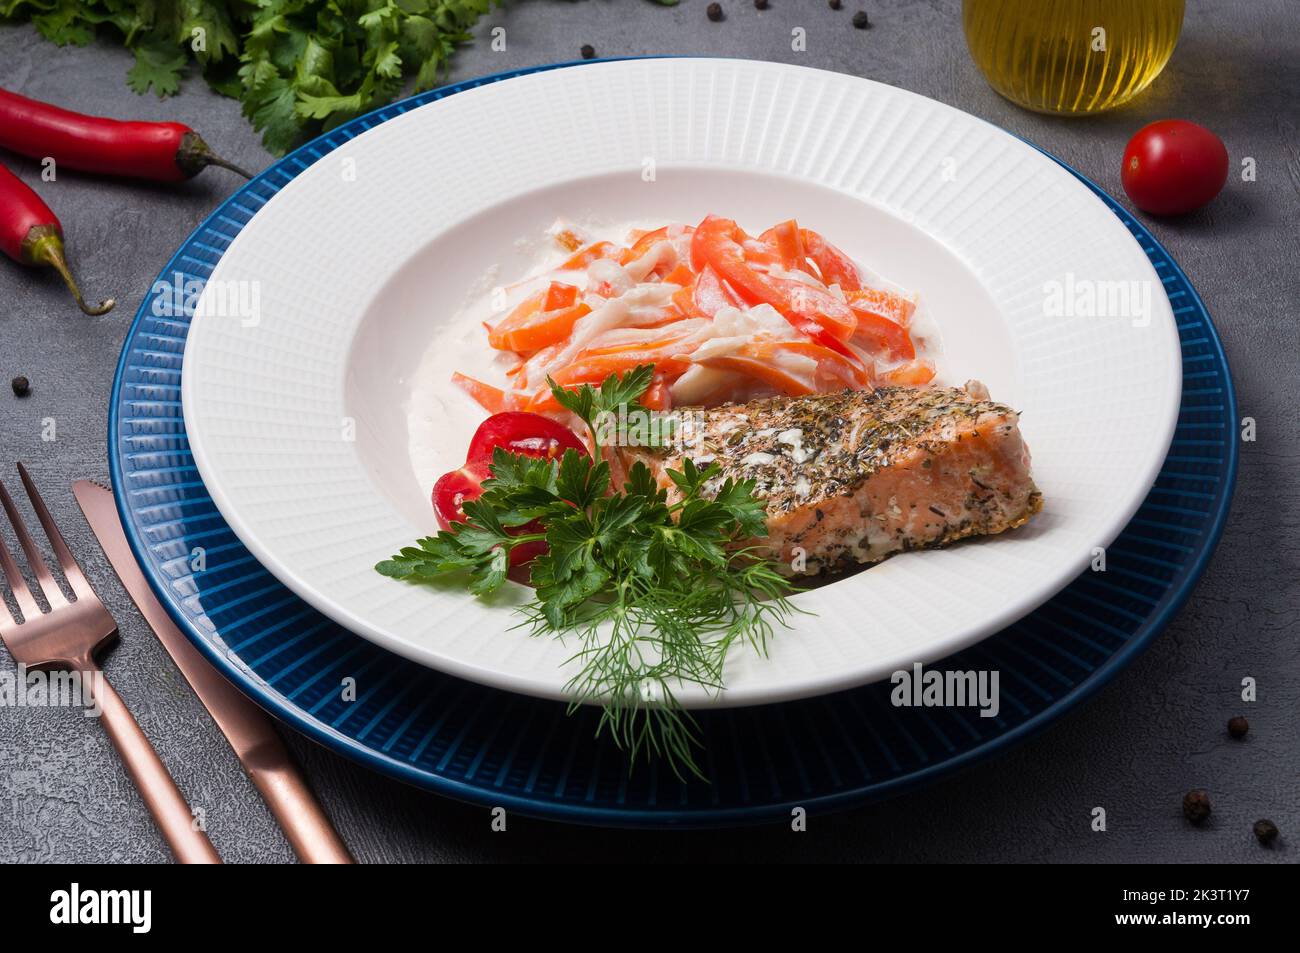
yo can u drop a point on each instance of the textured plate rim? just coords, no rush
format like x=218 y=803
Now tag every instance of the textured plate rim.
x=344 y=744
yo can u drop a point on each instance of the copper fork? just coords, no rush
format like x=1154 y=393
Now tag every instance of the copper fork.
x=69 y=636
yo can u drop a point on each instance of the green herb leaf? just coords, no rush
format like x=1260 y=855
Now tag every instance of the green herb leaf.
x=580 y=483
x=206 y=28
x=617 y=395
x=64 y=24
x=641 y=482
x=617 y=391
x=158 y=67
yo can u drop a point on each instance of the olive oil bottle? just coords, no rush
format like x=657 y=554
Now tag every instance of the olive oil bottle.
x=1071 y=57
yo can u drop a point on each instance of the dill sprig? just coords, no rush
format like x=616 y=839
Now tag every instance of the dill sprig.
x=654 y=594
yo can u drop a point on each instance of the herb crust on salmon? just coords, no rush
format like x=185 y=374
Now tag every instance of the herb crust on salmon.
x=856 y=476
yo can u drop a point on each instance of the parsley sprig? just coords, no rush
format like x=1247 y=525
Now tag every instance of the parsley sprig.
x=654 y=593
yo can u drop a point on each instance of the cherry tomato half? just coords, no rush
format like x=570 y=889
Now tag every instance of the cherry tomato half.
x=531 y=435
x=454 y=488
x=520 y=432
x=1173 y=166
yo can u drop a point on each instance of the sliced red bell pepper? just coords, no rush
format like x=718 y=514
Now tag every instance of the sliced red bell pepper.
x=786 y=241
x=836 y=267
x=717 y=243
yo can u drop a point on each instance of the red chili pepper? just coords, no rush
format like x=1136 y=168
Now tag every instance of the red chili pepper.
x=30 y=233
x=159 y=151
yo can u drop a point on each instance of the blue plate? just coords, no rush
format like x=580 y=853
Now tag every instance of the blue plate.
x=491 y=747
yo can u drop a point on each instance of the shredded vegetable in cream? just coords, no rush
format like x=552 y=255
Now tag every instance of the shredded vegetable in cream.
x=722 y=315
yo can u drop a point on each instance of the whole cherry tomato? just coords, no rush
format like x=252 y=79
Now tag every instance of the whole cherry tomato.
x=1173 y=166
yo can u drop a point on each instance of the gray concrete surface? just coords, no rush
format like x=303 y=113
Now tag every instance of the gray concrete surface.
x=1155 y=732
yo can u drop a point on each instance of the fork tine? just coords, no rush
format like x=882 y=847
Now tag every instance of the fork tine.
x=22 y=594
x=53 y=594
x=7 y=620
x=71 y=568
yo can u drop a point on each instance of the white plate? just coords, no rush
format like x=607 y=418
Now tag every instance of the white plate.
x=298 y=419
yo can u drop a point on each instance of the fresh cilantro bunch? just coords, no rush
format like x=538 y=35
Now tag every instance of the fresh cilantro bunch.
x=313 y=64
x=655 y=593
x=298 y=66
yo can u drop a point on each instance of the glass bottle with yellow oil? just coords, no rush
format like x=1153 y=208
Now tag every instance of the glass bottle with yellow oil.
x=1071 y=56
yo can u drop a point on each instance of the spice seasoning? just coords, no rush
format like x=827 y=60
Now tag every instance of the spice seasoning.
x=1238 y=726
x=861 y=20
x=1265 y=831
x=714 y=11
x=760 y=4
x=837 y=4
x=21 y=385
x=1196 y=806
x=588 y=51
x=806 y=454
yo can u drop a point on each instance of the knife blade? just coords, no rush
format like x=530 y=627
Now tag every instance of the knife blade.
x=249 y=730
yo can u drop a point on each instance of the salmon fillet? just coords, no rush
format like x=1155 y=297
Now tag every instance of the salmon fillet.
x=854 y=477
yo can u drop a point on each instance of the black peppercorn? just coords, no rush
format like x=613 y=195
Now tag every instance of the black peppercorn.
x=1238 y=726
x=837 y=4
x=21 y=385
x=760 y=4
x=714 y=11
x=588 y=51
x=861 y=20
x=1266 y=831
x=1196 y=806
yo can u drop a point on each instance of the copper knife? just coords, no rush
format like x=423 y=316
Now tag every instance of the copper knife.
x=248 y=729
